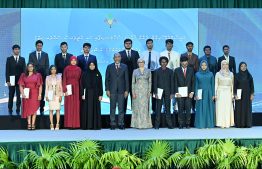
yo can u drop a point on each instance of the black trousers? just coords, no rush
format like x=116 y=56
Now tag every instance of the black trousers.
x=114 y=99
x=159 y=103
x=12 y=91
x=152 y=91
x=42 y=102
x=184 y=103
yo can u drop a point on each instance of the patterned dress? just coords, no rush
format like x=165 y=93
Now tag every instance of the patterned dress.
x=141 y=86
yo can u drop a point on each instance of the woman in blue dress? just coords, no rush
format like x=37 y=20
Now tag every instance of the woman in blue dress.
x=205 y=109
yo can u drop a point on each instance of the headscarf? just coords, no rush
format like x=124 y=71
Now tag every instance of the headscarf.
x=90 y=76
x=244 y=75
x=72 y=67
x=201 y=70
x=224 y=72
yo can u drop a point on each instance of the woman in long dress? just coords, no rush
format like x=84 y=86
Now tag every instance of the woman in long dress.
x=141 y=87
x=224 y=82
x=54 y=83
x=243 y=109
x=32 y=80
x=205 y=108
x=92 y=93
x=72 y=77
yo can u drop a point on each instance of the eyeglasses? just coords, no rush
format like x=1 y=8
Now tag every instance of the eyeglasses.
x=30 y=66
x=141 y=62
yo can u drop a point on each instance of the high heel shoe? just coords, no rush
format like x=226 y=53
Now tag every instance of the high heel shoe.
x=29 y=127
x=33 y=127
x=57 y=127
x=52 y=126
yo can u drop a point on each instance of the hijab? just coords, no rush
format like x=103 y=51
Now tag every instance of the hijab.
x=245 y=76
x=90 y=76
x=224 y=72
x=72 y=67
x=203 y=71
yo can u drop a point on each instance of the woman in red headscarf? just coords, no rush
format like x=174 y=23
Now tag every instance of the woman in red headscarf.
x=72 y=76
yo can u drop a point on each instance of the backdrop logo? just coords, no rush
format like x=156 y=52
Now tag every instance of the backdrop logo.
x=110 y=20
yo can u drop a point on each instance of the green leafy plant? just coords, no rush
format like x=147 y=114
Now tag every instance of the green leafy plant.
x=4 y=159
x=254 y=156
x=85 y=154
x=122 y=159
x=50 y=158
x=175 y=158
x=156 y=156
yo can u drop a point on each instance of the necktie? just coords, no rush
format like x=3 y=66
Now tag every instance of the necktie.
x=86 y=58
x=149 y=61
x=184 y=72
x=168 y=56
x=38 y=57
x=208 y=62
x=117 y=69
x=128 y=54
x=15 y=59
x=64 y=56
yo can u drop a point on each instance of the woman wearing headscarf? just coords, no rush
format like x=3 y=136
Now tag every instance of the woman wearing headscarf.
x=205 y=109
x=224 y=81
x=92 y=93
x=72 y=76
x=243 y=109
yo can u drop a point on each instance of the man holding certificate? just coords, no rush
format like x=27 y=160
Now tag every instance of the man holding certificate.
x=15 y=66
x=184 y=90
x=163 y=90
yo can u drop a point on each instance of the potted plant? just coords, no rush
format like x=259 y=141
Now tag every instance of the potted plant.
x=5 y=162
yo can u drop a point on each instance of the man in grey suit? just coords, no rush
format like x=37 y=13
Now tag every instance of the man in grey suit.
x=41 y=61
x=117 y=87
x=163 y=79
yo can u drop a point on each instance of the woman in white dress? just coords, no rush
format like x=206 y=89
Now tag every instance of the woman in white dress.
x=54 y=83
x=224 y=96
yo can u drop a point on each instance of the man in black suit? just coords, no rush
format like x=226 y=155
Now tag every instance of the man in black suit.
x=117 y=87
x=129 y=57
x=184 y=77
x=41 y=61
x=62 y=59
x=82 y=60
x=229 y=59
x=163 y=79
x=15 y=66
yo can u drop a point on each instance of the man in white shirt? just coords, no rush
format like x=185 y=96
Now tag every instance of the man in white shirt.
x=151 y=59
x=173 y=63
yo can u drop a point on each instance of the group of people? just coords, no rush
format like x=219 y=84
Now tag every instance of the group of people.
x=157 y=77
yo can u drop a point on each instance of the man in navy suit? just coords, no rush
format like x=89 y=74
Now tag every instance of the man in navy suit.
x=230 y=59
x=15 y=66
x=85 y=58
x=41 y=61
x=117 y=87
x=62 y=59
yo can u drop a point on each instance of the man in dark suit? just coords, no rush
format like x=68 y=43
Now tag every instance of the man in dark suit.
x=15 y=66
x=184 y=77
x=41 y=60
x=117 y=87
x=82 y=60
x=163 y=79
x=229 y=59
x=129 y=57
x=62 y=59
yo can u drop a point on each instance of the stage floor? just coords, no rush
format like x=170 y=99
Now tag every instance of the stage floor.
x=128 y=134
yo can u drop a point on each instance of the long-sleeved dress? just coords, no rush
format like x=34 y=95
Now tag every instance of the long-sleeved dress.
x=72 y=102
x=205 y=109
x=243 y=106
x=141 y=86
x=224 y=104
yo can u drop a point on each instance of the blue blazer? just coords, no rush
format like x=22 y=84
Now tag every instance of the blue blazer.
x=81 y=61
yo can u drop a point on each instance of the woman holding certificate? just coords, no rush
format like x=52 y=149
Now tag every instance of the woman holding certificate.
x=31 y=88
x=92 y=93
x=224 y=96
x=54 y=94
x=71 y=85
x=205 y=95
x=244 y=94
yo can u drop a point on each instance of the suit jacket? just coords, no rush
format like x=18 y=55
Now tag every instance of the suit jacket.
x=192 y=61
x=43 y=62
x=181 y=81
x=232 y=63
x=49 y=85
x=164 y=81
x=81 y=61
x=60 y=63
x=117 y=83
x=131 y=63
x=14 y=69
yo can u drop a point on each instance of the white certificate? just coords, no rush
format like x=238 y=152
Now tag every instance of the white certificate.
x=199 y=93
x=239 y=92
x=26 y=92
x=84 y=93
x=159 y=93
x=69 y=89
x=50 y=95
x=183 y=91
x=12 y=80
